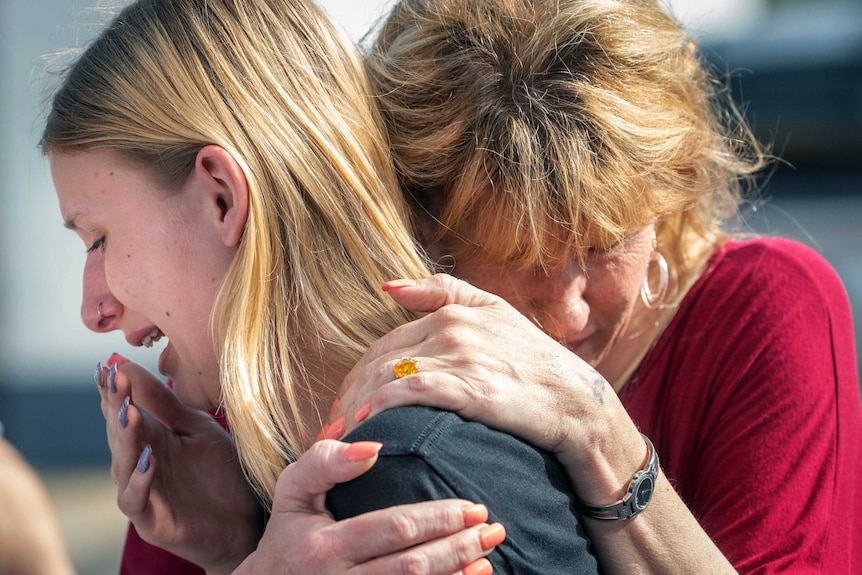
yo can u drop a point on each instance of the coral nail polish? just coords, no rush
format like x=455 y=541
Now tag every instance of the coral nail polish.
x=480 y=567
x=474 y=514
x=336 y=430
x=116 y=359
x=363 y=413
x=492 y=535
x=362 y=450
x=400 y=283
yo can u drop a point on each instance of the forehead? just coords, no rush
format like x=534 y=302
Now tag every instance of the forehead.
x=94 y=179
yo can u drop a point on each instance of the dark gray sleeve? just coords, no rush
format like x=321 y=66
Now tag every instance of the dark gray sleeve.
x=430 y=454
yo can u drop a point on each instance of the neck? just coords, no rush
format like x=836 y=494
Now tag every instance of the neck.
x=317 y=399
x=647 y=325
x=630 y=350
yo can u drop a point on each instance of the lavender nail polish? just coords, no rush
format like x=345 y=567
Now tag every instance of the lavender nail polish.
x=97 y=376
x=123 y=414
x=144 y=459
x=112 y=375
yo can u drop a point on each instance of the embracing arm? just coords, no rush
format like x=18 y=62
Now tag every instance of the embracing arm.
x=488 y=363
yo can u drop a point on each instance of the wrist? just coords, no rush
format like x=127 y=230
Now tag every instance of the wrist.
x=602 y=468
x=242 y=554
x=638 y=492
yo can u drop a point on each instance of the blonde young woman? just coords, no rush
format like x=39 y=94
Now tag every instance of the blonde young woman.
x=572 y=157
x=221 y=163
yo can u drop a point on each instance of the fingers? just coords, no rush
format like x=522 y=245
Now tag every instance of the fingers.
x=438 y=389
x=430 y=537
x=302 y=485
x=438 y=536
x=430 y=294
x=152 y=395
x=127 y=429
x=134 y=500
x=130 y=437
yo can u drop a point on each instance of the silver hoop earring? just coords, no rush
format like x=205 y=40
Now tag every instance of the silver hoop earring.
x=653 y=299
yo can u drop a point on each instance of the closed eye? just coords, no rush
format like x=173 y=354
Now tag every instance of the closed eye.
x=98 y=244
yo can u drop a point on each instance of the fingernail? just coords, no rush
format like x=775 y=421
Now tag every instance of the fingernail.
x=336 y=430
x=123 y=415
x=395 y=284
x=362 y=450
x=474 y=514
x=97 y=377
x=144 y=459
x=480 y=567
x=117 y=359
x=492 y=535
x=363 y=413
x=112 y=376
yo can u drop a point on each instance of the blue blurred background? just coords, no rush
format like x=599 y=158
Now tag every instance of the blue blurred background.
x=795 y=67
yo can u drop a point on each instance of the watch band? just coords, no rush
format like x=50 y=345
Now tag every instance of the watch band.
x=637 y=497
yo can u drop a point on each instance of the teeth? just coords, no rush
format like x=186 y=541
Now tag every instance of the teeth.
x=152 y=337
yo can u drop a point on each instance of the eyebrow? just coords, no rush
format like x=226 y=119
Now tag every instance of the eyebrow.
x=70 y=223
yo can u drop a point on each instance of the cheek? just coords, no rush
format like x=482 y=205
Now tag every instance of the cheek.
x=616 y=287
x=133 y=278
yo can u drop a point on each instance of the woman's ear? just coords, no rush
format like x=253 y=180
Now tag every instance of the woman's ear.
x=226 y=190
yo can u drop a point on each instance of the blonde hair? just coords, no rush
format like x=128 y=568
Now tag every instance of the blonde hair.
x=276 y=84
x=534 y=130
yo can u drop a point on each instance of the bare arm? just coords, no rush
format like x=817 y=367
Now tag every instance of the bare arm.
x=31 y=542
x=481 y=358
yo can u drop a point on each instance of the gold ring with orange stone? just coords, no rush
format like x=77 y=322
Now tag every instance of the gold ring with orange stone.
x=405 y=366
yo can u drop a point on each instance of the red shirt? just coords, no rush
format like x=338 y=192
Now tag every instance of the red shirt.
x=751 y=397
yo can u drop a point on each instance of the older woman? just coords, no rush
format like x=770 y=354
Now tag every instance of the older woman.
x=572 y=157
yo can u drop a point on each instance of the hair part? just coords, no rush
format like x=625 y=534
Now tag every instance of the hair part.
x=280 y=87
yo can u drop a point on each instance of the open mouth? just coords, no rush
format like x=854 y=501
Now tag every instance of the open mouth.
x=152 y=337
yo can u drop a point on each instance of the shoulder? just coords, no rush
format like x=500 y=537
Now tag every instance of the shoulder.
x=431 y=454
x=773 y=260
x=432 y=434
x=769 y=279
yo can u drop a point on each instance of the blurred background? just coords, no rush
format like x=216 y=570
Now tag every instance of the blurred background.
x=794 y=66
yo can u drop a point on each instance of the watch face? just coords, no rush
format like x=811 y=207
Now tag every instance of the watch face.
x=644 y=492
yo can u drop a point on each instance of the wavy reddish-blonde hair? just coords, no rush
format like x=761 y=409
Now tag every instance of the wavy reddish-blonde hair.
x=532 y=131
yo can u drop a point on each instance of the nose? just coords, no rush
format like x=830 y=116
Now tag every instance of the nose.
x=558 y=302
x=100 y=310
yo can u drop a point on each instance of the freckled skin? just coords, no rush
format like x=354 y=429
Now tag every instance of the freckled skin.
x=156 y=244
x=589 y=312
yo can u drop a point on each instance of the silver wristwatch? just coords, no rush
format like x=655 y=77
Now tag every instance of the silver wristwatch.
x=637 y=496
